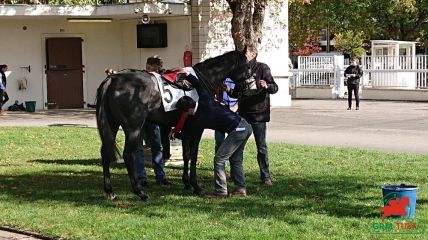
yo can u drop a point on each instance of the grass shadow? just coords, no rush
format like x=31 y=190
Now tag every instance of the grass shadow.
x=336 y=196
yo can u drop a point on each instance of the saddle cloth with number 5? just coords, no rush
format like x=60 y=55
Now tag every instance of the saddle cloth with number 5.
x=170 y=93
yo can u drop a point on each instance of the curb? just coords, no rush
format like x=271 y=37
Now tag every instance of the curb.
x=27 y=233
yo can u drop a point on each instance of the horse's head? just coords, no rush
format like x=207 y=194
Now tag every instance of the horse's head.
x=241 y=70
x=233 y=65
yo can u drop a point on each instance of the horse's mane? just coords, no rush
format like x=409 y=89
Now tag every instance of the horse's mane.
x=215 y=61
x=210 y=70
x=126 y=70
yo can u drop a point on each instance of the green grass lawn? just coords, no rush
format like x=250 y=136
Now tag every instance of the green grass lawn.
x=51 y=183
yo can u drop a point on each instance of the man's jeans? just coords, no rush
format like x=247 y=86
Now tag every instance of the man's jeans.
x=259 y=131
x=219 y=138
x=232 y=149
x=153 y=135
x=1 y=98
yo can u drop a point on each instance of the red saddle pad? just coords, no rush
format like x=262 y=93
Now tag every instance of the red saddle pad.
x=171 y=76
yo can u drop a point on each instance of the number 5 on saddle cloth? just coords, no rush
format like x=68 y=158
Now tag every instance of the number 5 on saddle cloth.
x=173 y=85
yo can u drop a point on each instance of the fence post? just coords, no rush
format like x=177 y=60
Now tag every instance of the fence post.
x=338 y=90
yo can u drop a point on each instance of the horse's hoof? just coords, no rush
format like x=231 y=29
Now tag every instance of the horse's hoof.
x=112 y=196
x=197 y=191
x=144 y=197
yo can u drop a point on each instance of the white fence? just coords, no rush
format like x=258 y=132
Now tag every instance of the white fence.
x=381 y=72
x=395 y=72
x=315 y=70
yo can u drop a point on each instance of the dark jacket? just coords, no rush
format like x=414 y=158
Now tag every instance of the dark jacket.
x=353 y=69
x=256 y=107
x=209 y=113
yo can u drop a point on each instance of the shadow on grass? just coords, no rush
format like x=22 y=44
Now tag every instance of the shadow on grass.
x=287 y=200
x=97 y=162
x=84 y=162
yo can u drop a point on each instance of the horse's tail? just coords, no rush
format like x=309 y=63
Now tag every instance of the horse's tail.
x=108 y=140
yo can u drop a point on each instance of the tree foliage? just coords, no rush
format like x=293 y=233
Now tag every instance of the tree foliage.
x=310 y=46
x=376 y=19
x=400 y=19
x=350 y=42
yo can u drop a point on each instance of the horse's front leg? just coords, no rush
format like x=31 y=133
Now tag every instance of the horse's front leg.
x=132 y=138
x=185 y=143
x=194 y=146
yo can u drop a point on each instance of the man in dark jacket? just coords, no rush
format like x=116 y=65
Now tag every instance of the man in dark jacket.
x=254 y=106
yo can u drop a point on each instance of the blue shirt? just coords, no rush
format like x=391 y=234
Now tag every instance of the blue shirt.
x=210 y=113
x=226 y=99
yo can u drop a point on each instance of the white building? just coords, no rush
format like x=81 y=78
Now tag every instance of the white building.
x=60 y=52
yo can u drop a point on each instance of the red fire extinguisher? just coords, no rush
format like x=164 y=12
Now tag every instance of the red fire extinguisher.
x=187 y=58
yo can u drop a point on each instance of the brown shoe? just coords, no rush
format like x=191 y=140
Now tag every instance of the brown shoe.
x=2 y=113
x=239 y=192
x=217 y=195
x=267 y=182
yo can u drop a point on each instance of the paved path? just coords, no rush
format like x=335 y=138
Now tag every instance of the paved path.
x=385 y=126
x=380 y=125
x=7 y=235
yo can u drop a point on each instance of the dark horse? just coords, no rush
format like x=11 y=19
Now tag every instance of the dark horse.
x=130 y=97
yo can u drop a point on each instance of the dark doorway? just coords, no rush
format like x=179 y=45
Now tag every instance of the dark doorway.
x=64 y=71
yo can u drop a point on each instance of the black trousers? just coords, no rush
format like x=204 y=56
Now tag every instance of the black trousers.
x=3 y=98
x=355 y=88
x=166 y=146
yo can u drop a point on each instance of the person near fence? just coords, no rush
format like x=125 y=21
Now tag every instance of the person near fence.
x=353 y=73
x=254 y=107
x=4 y=97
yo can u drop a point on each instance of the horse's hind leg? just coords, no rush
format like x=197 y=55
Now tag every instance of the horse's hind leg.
x=194 y=146
x=132 y=138
x=186 y=158
x=108 y=155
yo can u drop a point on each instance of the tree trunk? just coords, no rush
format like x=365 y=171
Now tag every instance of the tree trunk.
x=258 y=17
x=247 y=22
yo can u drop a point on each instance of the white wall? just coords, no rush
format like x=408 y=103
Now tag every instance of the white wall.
x=106 y=45
x=18 y=47
x=178 y=37
x=395 y=94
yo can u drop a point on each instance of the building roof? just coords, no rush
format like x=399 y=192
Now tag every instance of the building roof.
x=391 y=42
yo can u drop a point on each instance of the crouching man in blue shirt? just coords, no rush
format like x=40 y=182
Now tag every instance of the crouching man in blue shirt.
x=209 y=113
